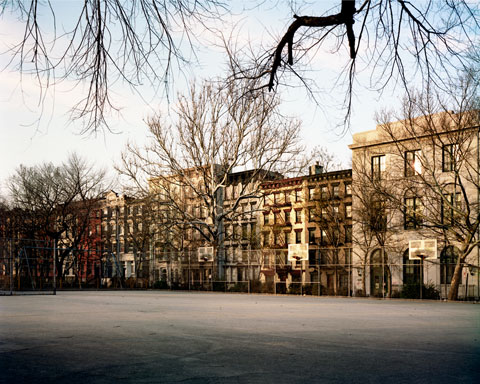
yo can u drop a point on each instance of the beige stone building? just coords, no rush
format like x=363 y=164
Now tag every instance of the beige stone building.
x=215 y=230
x=416 y=179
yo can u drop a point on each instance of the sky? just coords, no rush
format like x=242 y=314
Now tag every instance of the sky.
x=32 y=132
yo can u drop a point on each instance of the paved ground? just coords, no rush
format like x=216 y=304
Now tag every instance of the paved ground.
x=164 y=337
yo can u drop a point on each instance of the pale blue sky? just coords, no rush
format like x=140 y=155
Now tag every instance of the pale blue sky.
x=30 y=134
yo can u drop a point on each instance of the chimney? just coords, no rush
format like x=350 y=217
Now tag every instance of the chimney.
x=316 y=169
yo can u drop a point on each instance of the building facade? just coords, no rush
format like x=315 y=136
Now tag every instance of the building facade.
x=316 y=211
x=416 y=180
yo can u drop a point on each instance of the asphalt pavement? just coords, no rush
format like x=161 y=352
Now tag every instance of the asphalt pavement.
x=170 y=337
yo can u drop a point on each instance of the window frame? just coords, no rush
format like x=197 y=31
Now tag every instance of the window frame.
x=411 y=212
x=411 y=159
x=449 y=160
x=378 y=165
x=298 y=216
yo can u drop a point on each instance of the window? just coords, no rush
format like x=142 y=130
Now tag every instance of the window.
x=323 y=237
x=311 y=235
x=287 y=217
x=266 y=238
x=348 y=211
x=311 y=214
x=277 y=238
x=449 y=157
x=287 y=197
x=378 y=218
x=276 y=218
x=298 y=237
x=312 y=256
x=253 y=230
x=335 y=210
x=324 y=192
x=286 y=238
x=378 y=167
x=323 y=213
x=412 y=163
x=448 y=260
x=412 y=212
x=450 y=204
x=348 y=256
x=298 y=216
x=348 y=234
x=348 y=189
x=336 y=191
x=244 y=231
x=265 y=218
x=411 y=270
x=311 y=193
x=298 y=195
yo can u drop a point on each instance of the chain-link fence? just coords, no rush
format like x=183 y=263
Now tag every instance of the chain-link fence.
x=27 y=266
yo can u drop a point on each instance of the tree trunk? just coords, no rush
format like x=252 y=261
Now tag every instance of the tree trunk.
x=456 y=279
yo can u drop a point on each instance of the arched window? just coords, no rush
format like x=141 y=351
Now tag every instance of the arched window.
x=411 y=270
x=448 y=260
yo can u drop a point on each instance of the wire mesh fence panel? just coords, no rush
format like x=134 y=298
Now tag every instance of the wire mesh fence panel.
x=27 y=266
x=26 y=269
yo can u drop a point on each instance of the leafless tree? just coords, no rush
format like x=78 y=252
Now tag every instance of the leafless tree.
x=396 y=41
x=106 y=41
x=436 y=144
x=57 y=203
x=215 y=134
x=327 y=205
x=375 y=222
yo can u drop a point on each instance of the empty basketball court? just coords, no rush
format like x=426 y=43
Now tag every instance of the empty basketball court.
x=158 y=337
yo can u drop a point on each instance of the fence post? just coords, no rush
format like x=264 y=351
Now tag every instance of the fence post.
x=55 y=266
x=11 y=266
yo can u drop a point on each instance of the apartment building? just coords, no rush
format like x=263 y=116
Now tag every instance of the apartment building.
x=126 y=238
x=314 y=210
x=417 y=180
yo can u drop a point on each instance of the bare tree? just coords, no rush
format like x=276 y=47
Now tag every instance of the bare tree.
x=396 y=41
x=216 y=133
x=436 y=144
x=57 y=203
x=107 y=41
x=375 y=223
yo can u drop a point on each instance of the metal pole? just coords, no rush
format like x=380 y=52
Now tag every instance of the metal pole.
x=421 y=276
x=383 y=273
x=55 y=266
x=349 y=270
x=275 y=273
x=318 y=271
x=11 y=266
